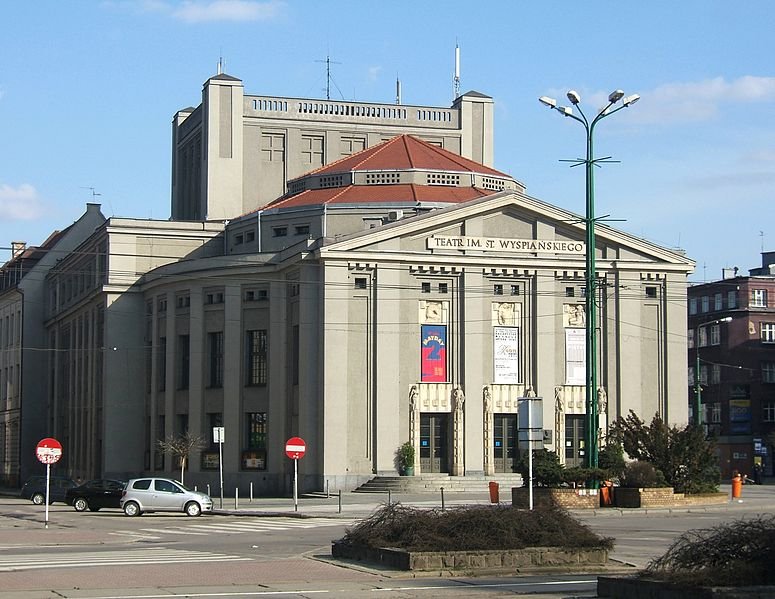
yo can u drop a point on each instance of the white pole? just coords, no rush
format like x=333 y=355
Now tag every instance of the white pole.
x=296 y=484
x=530 y=450
x=48 y=482
x=220 y=464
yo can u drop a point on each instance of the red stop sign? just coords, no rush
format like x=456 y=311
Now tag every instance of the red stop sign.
x=48 y=451
x=295 y=448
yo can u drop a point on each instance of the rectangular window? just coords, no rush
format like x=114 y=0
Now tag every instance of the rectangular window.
x=690 y=338
x=256 y=357
x=715 y=374
x=352 y=145
x=718 y=302
x=715 y=334
x=426 y=287
x=693 y=305
x=768 y=411
x=714 y=412
x=273 y=147
x=184 y=358
x=254 y=457
x=250 y=236
x=570 y=292
x=705 y=303
x=443 y=288
x=497 y=289
x=768 y=372
x=759 y=298
x=280 y=231
x=215 y=359
x=360 y=282
x=515 y=290
x=312 y=150
x=651 y=292
x=768 y=332
x=702 y=336
x=732 y=299
x=238 y=239
x=301 y=229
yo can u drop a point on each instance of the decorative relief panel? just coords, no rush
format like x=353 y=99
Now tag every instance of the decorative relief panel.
x=433 y=311
x=574 y=316
x=506 y=314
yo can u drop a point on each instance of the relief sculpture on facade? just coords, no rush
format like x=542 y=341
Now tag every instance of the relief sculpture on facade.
x=489 y=462
x=458 y=401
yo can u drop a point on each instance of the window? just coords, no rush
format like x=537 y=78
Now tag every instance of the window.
x=361 y=282
x=256 y=357
x=718 y=302
x=732 y=299
x=301 y=229
x=497 y=289
x=768 y=411
x=254 y=457
x=690 y=338
x=215 y=358
x=351 y=145
x=515 y=290
x=184 y=360
x=715 y=374
x=215 y=297
x=183 y=301
x=443 y=288
x=759 y=298
x=162 y=304
x=702 y=336
x=250 y=236
x=768 y=332
x=238 y=239
x=651 y=292
x=426 y=287
x=693 y=305
x=714 y=412
x=570 y=292
x=312 y=150
x=273 y=147
x=768 y=372
x=715 y=334
x=280 y=231
x=705 y=303
x=703 y=375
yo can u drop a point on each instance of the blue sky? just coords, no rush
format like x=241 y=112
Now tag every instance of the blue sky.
x=88 y=91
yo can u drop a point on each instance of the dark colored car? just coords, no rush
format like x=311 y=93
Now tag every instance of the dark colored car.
x=35 y=489
x=96 y=494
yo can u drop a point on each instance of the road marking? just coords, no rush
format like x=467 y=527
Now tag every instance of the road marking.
x=133 y=557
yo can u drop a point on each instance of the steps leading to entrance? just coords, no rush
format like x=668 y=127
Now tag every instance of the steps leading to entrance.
x=431 y=483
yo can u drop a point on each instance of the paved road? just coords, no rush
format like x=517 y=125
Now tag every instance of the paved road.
x=268 y=549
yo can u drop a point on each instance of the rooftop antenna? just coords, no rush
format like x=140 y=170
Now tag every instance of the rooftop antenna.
x=398 y=90
x=456 y=78
x=94 y=194
x=220 y=65
x=328 y=62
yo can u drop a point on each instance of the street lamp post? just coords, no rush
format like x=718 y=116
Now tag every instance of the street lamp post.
x=697 y=380
x=591 y=452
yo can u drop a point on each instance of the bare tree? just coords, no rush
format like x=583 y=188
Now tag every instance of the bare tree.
x=180 y=447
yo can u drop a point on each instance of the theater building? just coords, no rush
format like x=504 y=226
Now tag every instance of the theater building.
x=404 y=293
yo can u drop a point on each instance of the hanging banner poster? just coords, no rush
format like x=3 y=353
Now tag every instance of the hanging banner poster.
x=575 y=357
x=433 y=349
x=506 y=355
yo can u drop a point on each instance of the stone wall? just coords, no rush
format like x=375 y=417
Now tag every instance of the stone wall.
x=544 y=497
x=662 y=497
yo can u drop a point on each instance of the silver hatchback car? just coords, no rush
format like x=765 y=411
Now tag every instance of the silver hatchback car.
x=152 y=494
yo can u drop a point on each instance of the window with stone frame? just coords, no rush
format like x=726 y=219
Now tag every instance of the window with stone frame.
x=256 y=355
x=215 y=359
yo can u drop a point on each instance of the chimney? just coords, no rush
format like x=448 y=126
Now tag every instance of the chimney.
x=17 y=247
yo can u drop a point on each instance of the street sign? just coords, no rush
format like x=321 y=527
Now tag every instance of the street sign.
x=295 y=448
x=49 y=451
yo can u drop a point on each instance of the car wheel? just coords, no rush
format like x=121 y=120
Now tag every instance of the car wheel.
x=131 y=508
x=193 y=508
x=80 y=504
x=38 y=498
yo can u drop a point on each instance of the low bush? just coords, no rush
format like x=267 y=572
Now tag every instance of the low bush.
x=471 y=529
x=642 y=475
x=739 y=553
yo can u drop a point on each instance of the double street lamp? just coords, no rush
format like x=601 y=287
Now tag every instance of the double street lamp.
x=697 y=379
x=613 y=106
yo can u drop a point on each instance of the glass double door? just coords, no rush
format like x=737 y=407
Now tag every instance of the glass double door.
x=504 y=442
x=434 y=442
x=575 y=433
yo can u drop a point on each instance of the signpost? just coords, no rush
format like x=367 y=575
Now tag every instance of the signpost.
x=219 y=438
x=295 y=448
x=530 y=432
x=48 y=452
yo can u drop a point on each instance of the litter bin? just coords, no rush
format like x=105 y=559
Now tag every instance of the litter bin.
x=737 y=486
x=494 y=492
x=607 y=494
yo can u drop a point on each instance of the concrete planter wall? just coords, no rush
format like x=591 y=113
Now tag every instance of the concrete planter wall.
x=564 y=497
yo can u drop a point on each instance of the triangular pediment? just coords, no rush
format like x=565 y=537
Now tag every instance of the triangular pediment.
x=507 y=227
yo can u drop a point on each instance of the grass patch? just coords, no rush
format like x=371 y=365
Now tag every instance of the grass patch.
x=739 y=553
x=471 y=529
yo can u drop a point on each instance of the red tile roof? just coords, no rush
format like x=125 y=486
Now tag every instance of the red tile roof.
x=381 y=194
x=406 y=152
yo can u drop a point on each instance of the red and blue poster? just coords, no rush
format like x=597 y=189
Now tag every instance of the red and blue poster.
x=434 y=353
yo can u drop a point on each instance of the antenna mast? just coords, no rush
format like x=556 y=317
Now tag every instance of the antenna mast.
x=398 y=90
x=456 y=78
x=328 y=62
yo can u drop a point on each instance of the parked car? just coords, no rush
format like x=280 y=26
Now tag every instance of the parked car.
x=96 y=494
x=35 y=489
x=162 y=495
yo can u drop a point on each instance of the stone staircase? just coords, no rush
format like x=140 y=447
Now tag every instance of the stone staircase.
x=431 y=483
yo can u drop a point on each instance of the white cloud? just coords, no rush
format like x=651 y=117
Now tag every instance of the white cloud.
x=20 y=203
x=195 y=11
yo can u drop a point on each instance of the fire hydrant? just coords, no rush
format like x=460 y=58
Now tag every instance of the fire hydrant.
x=737 y=486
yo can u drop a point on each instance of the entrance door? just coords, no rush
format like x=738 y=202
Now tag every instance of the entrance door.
x=434 y=442
x=574 y=439
x=505 y=441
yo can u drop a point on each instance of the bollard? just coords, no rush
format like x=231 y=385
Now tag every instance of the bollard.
x=442 y=499
x=737 y=486
x=208 y=489
x=251 y=492
x=390 y=502
x=236 y=498
x=340 y=501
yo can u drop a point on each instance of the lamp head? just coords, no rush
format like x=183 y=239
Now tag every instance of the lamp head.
x=573 y=97
x=631 y=99
x=566 y=110
x=547 y=101
x=615 y=96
